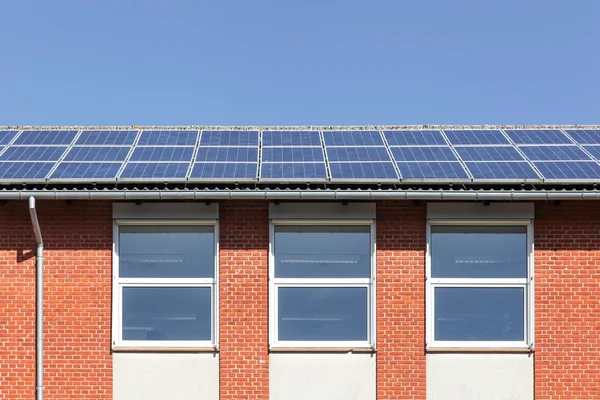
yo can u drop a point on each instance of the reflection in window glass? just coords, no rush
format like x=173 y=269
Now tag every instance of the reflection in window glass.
x=479 y=252
x=166 y=252
x=322 y=313
x=479 y=314
x=322 y=252
x=166 y=313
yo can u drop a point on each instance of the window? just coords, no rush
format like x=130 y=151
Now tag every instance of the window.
x=479 y=284
x=321 y=285
x=165 y=285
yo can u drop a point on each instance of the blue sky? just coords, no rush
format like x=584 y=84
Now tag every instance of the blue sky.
x=269 y=62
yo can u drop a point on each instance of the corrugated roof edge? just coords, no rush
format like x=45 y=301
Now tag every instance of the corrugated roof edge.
x=299 y=127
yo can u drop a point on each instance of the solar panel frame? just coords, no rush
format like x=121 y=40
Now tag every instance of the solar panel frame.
x=7 y=136
x=60 y=173
x=287 y=171
x=222 y=154
x=422 y=153
x=555 y=153
x=489 y=153
x=154 y=172
x=309 y=138
x=502 y=171
x=225 y=138
x=22 y=169
x=584 y=136
x=352 y=138
x=157 y=138
x=97 y=154
x=107 y=138
x=223 y=168
x=408 y=171
x=336 y=168
x=158 y=154
x=33 y=153
x=46 y=137
x=426 y=137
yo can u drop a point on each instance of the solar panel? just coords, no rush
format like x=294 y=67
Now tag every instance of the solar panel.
x=501 y=170
x=87 y=153
x=292 y=154
x=46 y=137
x=485 y=153
x=352 y=138
x=170 y=154
x=33 y=153
x=594 y=151
x=25 y=170
x=480 y=136
x=7 y=136
x=432 y=170
x=414 y=138
x=422 y=153
x=232 y=171
x=357 y=154
x=569 y=169
x=106 y=138
x=146 y=170
x=291 y=138
x=229 y=138
x=79 y=170
x=168 y=138
x=558 y=153
x=585 y=136
x=292 y=170
x=538 y=136
x=362 y=170
x=224 y=154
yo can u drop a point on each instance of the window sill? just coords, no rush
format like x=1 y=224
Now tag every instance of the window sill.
x=322 y=350
x=118 y=349
x=479 y=350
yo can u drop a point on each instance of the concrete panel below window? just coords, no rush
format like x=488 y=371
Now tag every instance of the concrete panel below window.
x=315 y=376
x=160 y=376
x=480 y=376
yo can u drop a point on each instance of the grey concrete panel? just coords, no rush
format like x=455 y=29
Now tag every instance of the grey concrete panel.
x=480 y=377
x=160 y=376
x=316 y=376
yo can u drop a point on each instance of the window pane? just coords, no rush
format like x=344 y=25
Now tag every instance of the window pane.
x=166 y=252
x=322 y=252
x=483 y=314
x=166 y=313
x=479 y=251
x=322 y=313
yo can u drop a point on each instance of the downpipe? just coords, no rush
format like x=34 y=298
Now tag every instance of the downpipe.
x=39 y=303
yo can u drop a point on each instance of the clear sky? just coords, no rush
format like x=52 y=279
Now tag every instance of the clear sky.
x=269 y=62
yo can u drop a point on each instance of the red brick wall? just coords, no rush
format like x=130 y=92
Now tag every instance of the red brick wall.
x=400 y=300
x=567 y=300
x=244 y=300
x=78 y=243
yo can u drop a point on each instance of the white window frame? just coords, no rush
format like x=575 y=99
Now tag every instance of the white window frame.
x=276 y=283
x=525 y=283
x=120 y=283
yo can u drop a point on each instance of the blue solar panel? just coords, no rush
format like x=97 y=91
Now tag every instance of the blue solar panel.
x=357 y=154
x=168 y=138
x=593 y=150
x=489 y=153
x=141 y=170
x=414 y=138
x=363 y=170
x=481 y=136
x=432 y=170
x=229 y=138
x=557 y=153
x=501 y=170
x=443 y=153
x=585 y=136
x=538 y=136
x=172 y=154
x=77 y=170
x=352 y=138
x=230 y=154
x=291 y=138
x=224 y=170
x=33 y=153
x=25 y=170
x=106 y=138
x=86 y=153
x=569 y=169
x=46 y=137
x=292 y=154
x=7 y=136
x=293 y=170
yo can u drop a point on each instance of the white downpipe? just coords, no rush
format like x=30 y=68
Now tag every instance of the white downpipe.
x=39 y=303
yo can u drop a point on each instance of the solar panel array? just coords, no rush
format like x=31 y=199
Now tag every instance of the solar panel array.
x=281 y=156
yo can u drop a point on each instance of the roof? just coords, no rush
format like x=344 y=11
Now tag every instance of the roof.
x=243 y=159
